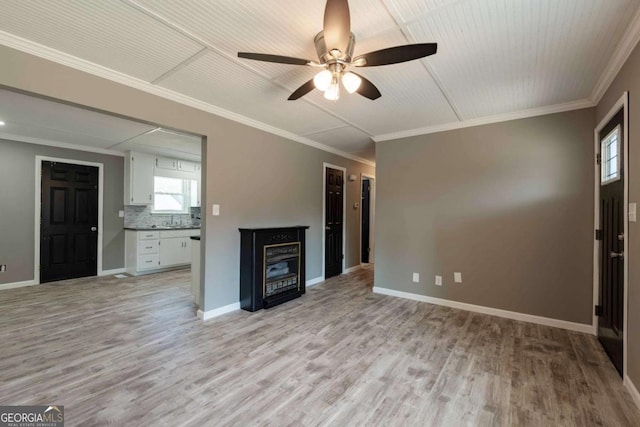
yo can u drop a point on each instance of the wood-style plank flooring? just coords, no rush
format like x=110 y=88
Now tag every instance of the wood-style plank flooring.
x=131 y=352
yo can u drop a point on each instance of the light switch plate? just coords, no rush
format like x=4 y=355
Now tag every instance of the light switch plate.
x=457 y=277
x=216 y=210
x=632 y=212
x=416 y=277
x=438 y=280
x=120 y=214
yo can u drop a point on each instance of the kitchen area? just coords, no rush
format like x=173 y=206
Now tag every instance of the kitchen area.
x=162 y=205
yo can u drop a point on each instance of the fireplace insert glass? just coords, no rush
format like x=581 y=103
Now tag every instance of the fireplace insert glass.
x=281 y=268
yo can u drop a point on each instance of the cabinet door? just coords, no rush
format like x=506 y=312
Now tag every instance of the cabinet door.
x=165 y=163
x=186 y=166
x=141 y=179
x=175 y=251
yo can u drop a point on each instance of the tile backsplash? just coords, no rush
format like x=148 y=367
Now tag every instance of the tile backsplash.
x=141 y=216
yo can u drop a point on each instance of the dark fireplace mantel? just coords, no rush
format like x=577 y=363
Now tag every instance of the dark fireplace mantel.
x=272 y=266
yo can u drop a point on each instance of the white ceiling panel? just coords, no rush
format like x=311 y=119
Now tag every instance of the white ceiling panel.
x=108 y=33
x=347 y=139
x=499 y=56
x=165 y=142
x=39 y=118
x=221 y=82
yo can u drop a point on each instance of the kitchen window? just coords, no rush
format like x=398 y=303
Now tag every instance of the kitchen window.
x=171 y=195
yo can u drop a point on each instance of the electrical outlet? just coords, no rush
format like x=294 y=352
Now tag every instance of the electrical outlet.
x=438 y=280
x=216 y=210
x=3 y=268
x=457 y=277
x=416 y=277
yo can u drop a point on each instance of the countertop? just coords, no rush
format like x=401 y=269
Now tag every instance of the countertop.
x=162 y=228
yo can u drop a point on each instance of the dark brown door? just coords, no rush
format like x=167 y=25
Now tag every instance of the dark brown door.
x=366 y=215
x=610 y=308
x=333 y=223
x=69 y=221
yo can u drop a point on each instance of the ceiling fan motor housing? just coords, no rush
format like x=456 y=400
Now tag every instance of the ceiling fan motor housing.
x=325 y=55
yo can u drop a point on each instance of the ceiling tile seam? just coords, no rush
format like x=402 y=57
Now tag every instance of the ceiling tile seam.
x=45 y=52
x=181 y=65
x=146 y=132
x=498 y=118
x=626 y=45
x=406 y=32
x=243 y=63
x=326 y=130
x=423 y=16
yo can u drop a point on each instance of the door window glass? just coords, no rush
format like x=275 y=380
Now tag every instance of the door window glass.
x=610 y=157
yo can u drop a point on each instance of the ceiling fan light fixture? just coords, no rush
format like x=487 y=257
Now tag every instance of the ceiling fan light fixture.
x=333 y=92
x=322 y=80
x=351 y=82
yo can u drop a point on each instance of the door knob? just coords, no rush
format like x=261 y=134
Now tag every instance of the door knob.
x=94 y=228
x=616 y=254
x=327 y=228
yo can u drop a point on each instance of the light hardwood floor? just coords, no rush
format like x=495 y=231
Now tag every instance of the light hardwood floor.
x=131 y=352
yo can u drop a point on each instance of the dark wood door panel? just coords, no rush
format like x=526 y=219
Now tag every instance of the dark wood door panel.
x=69 y=221
x=333 y=222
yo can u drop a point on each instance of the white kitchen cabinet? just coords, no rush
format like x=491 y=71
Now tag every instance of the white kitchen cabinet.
x=186 y=166
x=175 y=251
x=166 y=163
x=150 y=251
x=138 y=179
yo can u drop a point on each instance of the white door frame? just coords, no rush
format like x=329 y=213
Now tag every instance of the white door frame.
x=623 y=102
x=38 y=176
x=324 y=213
x=372 y=214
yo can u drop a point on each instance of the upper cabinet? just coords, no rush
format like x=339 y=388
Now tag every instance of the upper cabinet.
x=138 y=179
x=165 y=163
x=186 y=166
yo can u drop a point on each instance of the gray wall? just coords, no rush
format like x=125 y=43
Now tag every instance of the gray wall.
x=510 y=205
x=17 y=213
x=628 y=79
x=258 y=178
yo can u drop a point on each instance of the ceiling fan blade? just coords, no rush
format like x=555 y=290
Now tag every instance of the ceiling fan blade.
x=337 y=25
x=395 y=55
x=302 y=90
x=273 y=58
x=368 y=89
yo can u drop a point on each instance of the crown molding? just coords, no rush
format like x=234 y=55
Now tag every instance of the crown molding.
x=71 y=61
x=626 y=45
x=541 y=111
x=58 y=144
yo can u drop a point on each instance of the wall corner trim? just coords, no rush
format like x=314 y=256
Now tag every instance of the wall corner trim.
x=112 y=272
x=41 y=51
x=633 y=391
x=539 y=320
x=625 y=46
x=17 y=284
x=206 y=315
x=312 y=282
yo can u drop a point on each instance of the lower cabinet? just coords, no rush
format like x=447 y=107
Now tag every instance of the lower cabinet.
x=152 y=251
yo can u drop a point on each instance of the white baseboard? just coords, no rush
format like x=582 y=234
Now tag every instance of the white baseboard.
x=112 y=272
x=546 y=321
x=352 y=269
x=17 y=284
x=206 y=315
x=312 y=282
x=633 y=391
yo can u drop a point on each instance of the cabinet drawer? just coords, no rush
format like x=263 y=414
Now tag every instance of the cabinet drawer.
x=148 y=235
x=171 y=234
x=146 y=247
x=147 y=262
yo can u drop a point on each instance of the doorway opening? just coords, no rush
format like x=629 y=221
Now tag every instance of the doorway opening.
x=333 y=214
x=610 y=281
x=367 y=215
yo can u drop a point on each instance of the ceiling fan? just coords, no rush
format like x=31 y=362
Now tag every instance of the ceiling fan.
x=334 y=45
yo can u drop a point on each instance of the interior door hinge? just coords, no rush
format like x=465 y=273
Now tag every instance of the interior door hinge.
x=598 y=310
x=598 y=158
x=599 y=235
